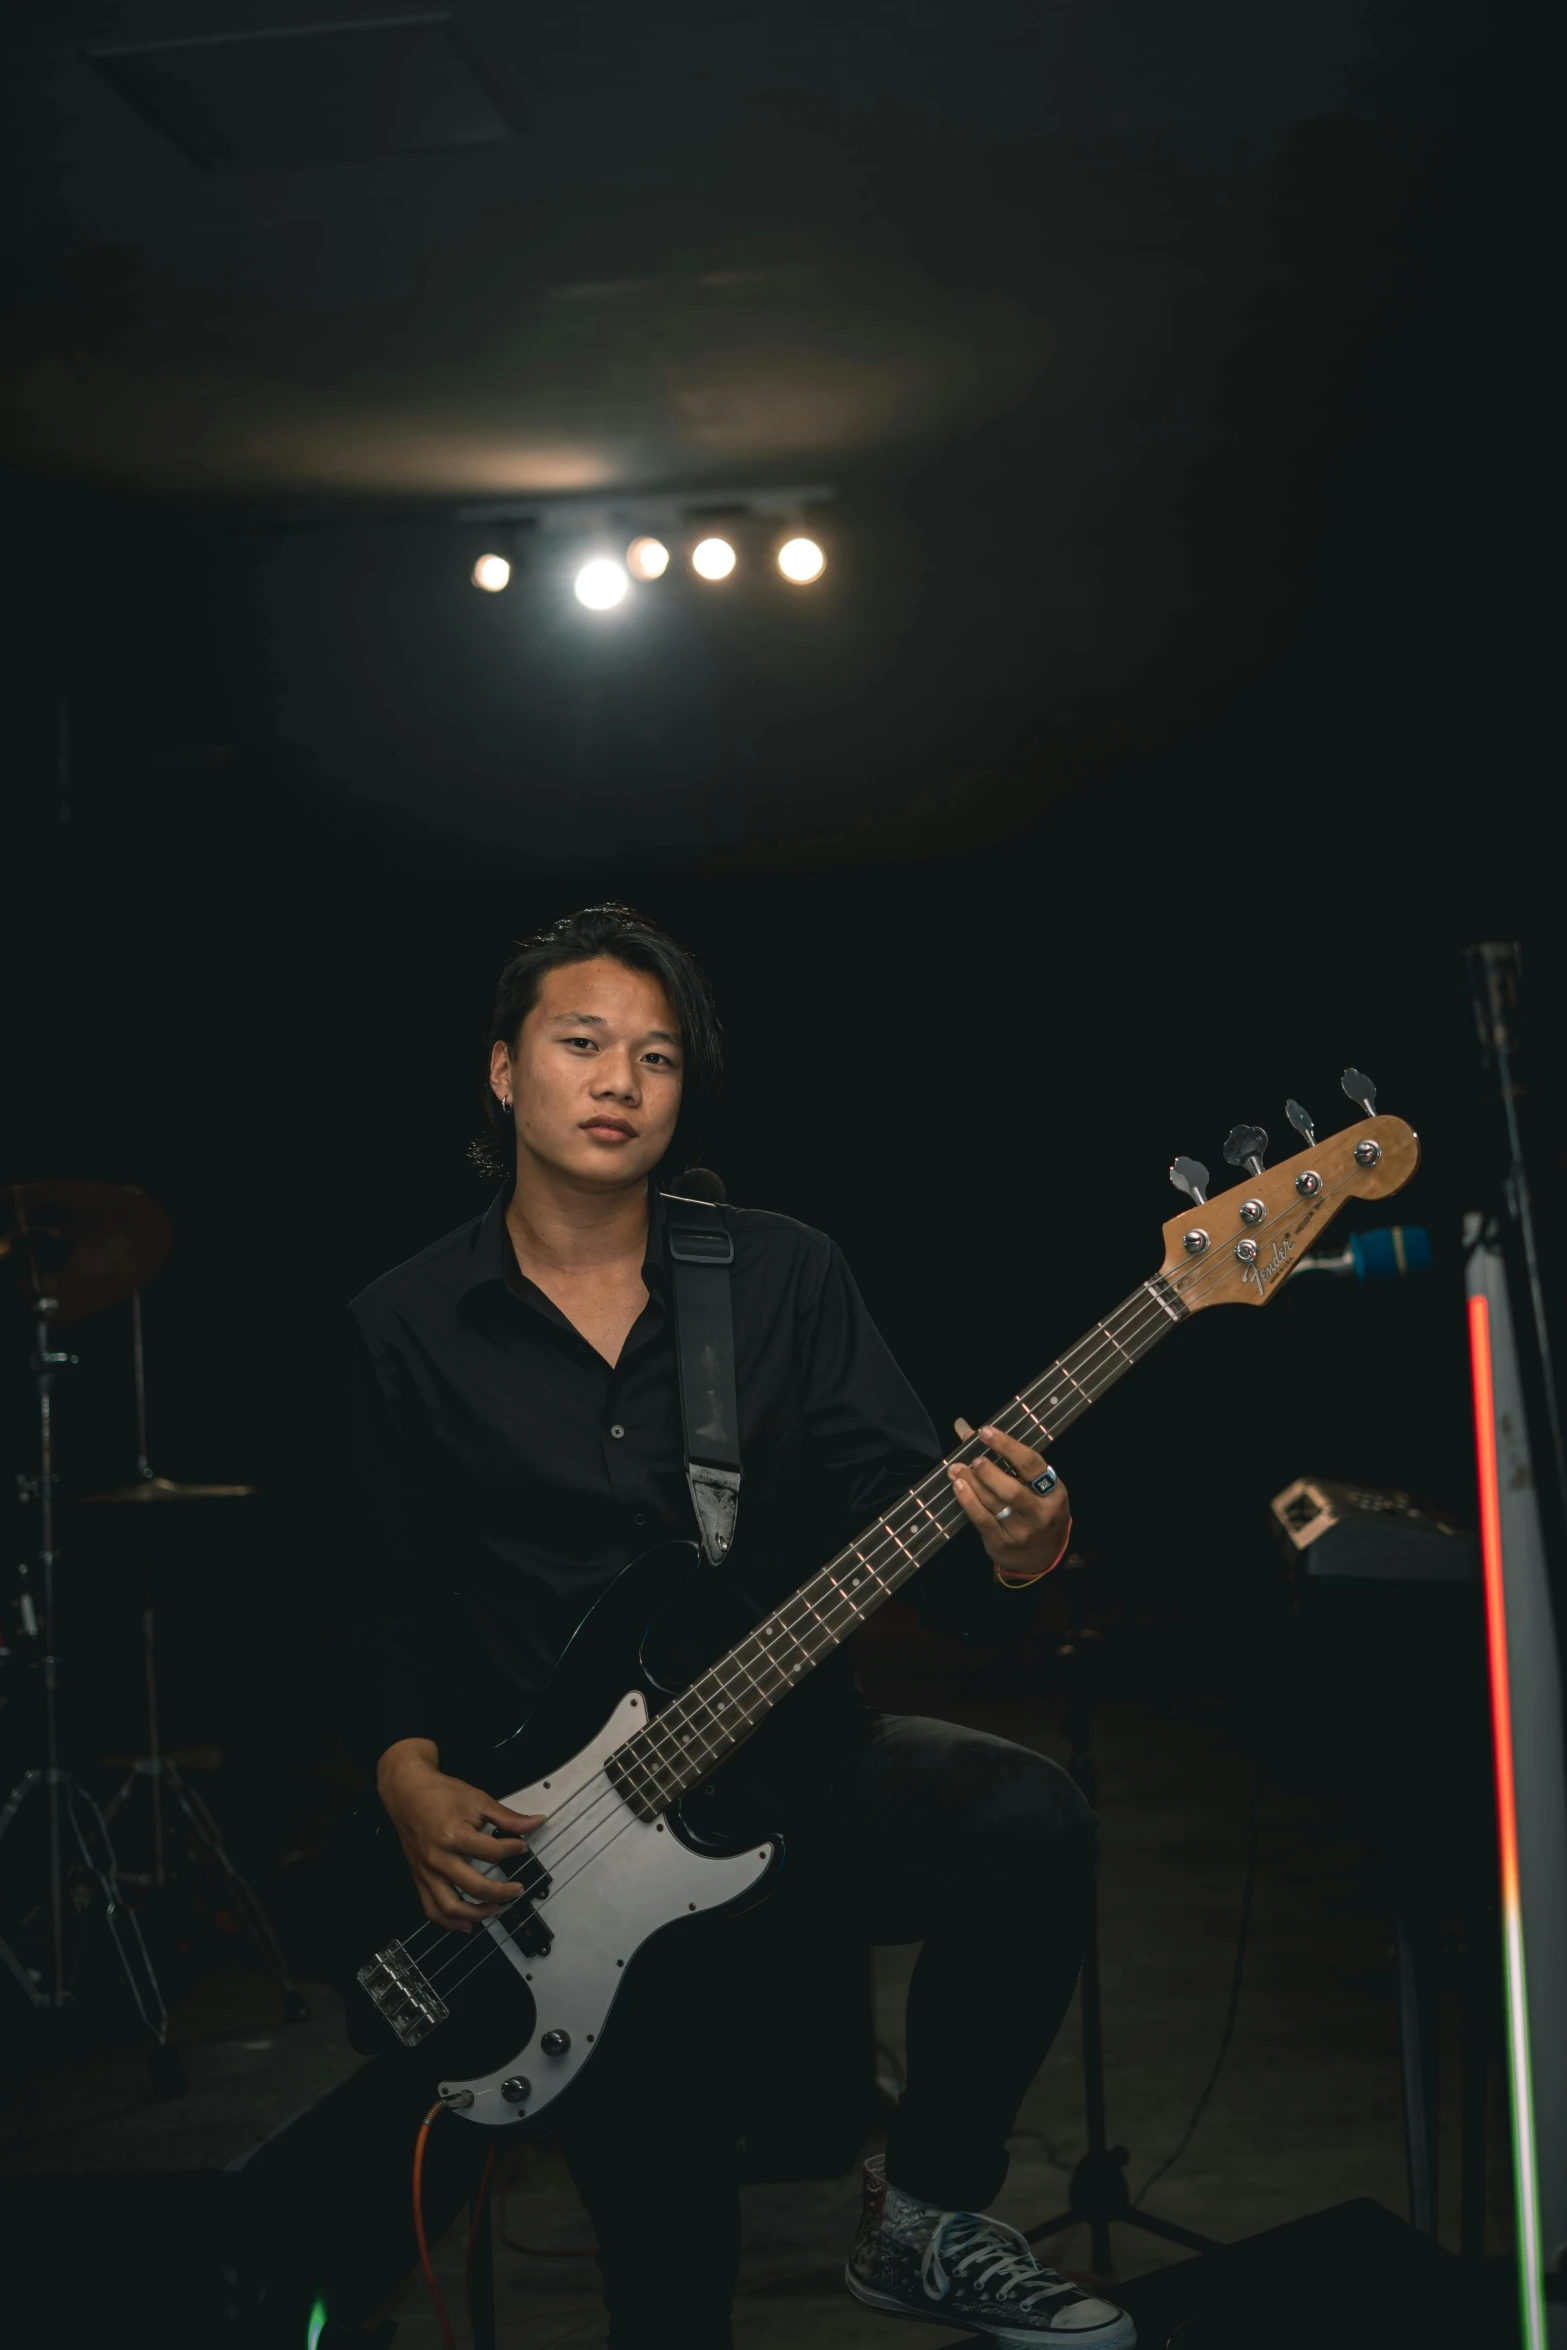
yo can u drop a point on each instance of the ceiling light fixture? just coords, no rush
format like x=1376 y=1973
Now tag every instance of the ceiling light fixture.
x=491 y=572
x=647 y=558
x=601 y=584
x=713 y=559
x=801 y=560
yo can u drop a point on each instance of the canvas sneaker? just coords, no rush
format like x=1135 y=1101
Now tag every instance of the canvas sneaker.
x=959 y=2268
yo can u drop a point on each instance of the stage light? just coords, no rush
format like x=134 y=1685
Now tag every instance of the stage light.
x=713 y=559
x=801 y=560
x=601 y=584
x=647 y=558
x=491 y=573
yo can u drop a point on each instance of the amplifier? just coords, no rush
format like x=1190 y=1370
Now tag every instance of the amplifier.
x=1361 y=1534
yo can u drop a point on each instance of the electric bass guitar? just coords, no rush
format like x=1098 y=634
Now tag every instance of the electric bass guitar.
x=618 y=1743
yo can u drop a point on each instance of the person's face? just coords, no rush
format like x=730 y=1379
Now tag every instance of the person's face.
x=595 y=1080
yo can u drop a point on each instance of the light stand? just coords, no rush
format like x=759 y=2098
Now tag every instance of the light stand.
x=1099 y=2195
x=71 y=1811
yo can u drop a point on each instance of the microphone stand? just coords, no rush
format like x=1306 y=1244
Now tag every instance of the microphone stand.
x=1099 y=2195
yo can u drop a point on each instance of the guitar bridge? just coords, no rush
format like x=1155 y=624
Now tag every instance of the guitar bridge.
x=404 y=1994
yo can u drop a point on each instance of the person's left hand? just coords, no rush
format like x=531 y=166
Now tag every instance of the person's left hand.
x=1032 y=1534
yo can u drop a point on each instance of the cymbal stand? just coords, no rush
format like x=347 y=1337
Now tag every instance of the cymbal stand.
x=71 y=1812
x=160 y=1773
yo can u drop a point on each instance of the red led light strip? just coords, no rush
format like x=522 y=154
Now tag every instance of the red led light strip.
x=1525 y=2173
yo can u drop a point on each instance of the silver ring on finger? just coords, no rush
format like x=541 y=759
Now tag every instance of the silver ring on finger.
x=1003 y=1514
x=1046 y=1482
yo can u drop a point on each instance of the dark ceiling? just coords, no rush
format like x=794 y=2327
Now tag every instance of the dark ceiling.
x=1071 y=307
x=1180 y=375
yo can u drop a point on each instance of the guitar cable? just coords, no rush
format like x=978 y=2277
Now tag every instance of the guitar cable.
x=448 y=2338
x=425 y=2262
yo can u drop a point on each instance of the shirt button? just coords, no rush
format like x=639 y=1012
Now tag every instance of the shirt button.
x=640 y=1519
x=617 y=1430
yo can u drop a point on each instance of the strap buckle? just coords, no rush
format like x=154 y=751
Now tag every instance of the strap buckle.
x=702 y=1248
x=698 y=1243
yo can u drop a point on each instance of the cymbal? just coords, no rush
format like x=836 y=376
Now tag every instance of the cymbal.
x=87 y=1244
x=165 y=1489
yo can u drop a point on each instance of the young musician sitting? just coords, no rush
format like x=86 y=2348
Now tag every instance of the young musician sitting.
x=520 y=1441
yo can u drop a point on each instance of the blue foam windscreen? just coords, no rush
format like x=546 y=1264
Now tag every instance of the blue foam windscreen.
x=1390 y=1252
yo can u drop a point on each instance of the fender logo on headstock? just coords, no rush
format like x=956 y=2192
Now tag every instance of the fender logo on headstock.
x=1239 y=1247
x=1262 y=1274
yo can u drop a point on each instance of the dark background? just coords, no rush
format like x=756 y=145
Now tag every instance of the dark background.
x=1175 y=708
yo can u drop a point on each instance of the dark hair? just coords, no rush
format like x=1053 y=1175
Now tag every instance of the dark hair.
x=625 y=936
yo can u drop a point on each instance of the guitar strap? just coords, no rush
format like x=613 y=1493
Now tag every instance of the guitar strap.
x=699 y=1253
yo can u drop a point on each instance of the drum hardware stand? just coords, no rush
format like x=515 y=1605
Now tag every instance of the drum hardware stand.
x=160 y=1773
x=1099 y=2196
x=71 y=1811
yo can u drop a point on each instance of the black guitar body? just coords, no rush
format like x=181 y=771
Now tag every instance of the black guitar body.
x=658 y=1625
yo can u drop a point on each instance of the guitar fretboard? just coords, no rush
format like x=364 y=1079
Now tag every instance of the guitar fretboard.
x=699 y=1729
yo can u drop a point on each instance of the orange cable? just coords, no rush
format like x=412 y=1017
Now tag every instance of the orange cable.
x=420 y=2143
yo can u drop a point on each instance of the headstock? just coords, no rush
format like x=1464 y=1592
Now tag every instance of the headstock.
x=1253 y=1236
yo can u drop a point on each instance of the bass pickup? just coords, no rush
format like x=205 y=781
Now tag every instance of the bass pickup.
x=520 y=1919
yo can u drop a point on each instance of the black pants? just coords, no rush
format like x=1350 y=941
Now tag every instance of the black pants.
x=978 y=1848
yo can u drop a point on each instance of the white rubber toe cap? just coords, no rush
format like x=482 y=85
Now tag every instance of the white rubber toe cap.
x=1093 y=2318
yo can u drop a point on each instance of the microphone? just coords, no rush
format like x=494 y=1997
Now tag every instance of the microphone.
x=1388 y=1252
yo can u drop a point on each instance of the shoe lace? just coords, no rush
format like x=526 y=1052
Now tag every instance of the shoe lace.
x=989 y=2254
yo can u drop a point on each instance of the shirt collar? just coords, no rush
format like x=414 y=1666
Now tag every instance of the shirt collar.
x=494 y=1261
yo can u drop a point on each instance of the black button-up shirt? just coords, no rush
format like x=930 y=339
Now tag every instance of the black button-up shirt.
x=507 y=1472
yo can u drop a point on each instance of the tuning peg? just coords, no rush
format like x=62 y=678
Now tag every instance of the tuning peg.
x=1244 y=1147
x=1191 y=1176
x=1301 y=1120
x=1360 y=1089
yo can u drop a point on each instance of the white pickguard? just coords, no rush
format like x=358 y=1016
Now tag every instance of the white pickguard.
x=616 y=1879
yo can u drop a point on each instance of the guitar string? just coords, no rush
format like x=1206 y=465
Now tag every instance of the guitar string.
x=1152 y=1315
x=608 y=1793
x=677 y=1711
x=887 y=1544
x=493 y=1944
x=1134 y=1318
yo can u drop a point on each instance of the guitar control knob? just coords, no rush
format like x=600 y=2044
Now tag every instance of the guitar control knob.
x=516 y=2091
x=555 y=2043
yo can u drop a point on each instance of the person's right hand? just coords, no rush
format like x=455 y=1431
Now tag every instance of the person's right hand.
x=439 y=1820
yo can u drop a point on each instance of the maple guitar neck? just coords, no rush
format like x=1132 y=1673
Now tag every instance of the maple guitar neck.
x=703 y=1726
x=1237 y=1248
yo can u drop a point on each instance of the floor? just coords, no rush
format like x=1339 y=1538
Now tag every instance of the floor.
x=1307 y=2111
